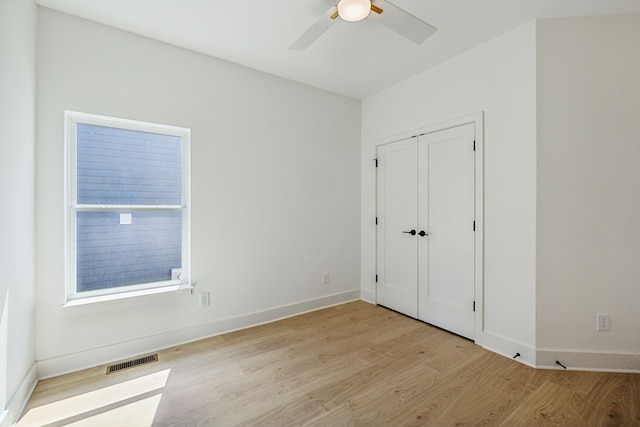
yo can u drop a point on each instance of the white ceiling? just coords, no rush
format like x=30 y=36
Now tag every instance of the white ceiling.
x=353 y=59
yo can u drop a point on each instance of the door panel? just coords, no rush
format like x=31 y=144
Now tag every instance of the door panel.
x=397 y=206
x=446 y=210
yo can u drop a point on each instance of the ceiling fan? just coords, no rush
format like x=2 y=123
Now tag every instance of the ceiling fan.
x=385 y=13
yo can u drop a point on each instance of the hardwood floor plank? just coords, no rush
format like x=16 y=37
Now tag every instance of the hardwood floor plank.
x=549 y=404
x=350 y=365
x=615 y=401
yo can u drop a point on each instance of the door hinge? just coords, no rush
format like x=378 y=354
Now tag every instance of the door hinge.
x=376 y=161
x=474 y=306
x=474 y=226
x=376 y=278
x=376 y=220
x=474 y=146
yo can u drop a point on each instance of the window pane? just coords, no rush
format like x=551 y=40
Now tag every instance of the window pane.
x=111 y=254
x=127 y=167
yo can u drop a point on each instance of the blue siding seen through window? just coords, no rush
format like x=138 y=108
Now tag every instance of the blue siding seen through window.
x=127 y=167
x=110 y=254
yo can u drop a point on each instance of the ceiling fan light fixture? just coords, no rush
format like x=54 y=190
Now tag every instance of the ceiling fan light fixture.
x=354 y=10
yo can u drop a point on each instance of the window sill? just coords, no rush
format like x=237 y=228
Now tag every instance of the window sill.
x=127 y=295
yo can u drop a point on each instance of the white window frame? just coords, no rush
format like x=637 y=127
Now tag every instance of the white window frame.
x=72 y=119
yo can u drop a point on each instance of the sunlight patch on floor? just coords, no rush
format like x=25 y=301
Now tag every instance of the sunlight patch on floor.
x=143 y=408
x=137 y=414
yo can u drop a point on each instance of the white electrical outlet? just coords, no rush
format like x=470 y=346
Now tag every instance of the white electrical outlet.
x=204 y=299
x=604 y=322
x=325 y=278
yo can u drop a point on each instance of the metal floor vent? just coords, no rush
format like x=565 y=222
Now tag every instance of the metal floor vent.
x=132 y=363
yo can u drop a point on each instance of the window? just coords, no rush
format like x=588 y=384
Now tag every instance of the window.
x=127 y=206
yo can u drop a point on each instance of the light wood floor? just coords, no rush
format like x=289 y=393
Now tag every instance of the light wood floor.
x=354 y=364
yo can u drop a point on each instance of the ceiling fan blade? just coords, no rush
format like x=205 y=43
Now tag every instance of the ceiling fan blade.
x=402 y=22
x=316 y=30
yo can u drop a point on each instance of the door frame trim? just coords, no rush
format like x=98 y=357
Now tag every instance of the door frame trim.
x=477 y=119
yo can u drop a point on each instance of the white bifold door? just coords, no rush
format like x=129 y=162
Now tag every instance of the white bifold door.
x=426 y=228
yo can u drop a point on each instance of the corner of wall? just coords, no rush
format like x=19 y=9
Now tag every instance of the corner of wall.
x=18 y=401
x=508 y=348
x=368 y=296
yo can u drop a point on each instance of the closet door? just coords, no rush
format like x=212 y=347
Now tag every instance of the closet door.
x=397 y=258
x=446 y=211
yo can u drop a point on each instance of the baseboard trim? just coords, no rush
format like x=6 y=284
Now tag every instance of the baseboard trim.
x=589 y=361
x=20 y=397
x=368 y=296
x=103 y=355
x=507 y=348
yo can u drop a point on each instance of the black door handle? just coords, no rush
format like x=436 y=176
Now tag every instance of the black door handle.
x=422 y=233
x=412 y=232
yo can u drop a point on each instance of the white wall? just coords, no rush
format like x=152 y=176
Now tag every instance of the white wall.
x=17 y=210
x=275 y=190
x=588 y=231
x=498 y=78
